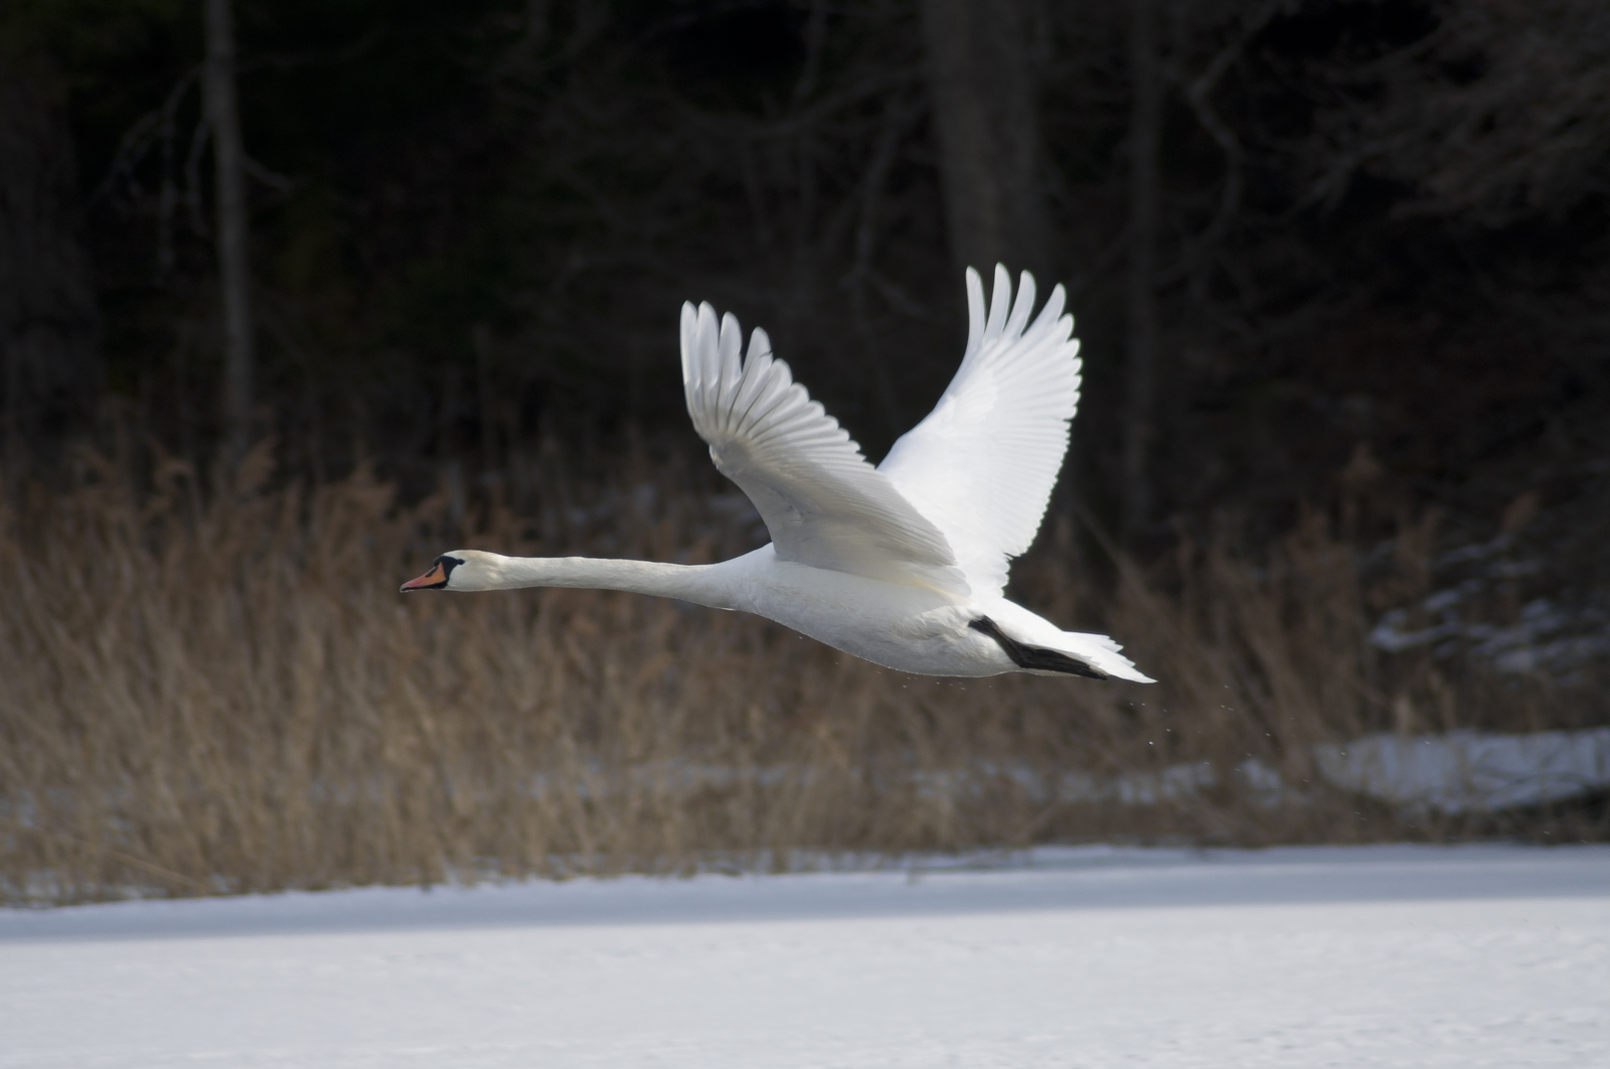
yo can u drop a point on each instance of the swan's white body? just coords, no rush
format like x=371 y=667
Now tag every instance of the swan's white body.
x=903 y=564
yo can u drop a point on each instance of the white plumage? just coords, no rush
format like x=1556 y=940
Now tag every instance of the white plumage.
x=903 y=564
x=983 y=464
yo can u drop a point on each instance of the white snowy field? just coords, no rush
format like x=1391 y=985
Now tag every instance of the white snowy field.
x=1397 y=956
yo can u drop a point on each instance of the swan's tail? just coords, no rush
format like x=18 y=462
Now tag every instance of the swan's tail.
x=1039 y=647
x=1101 y=653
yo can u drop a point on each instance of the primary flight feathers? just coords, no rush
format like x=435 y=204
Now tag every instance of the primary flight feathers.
x=958 y=496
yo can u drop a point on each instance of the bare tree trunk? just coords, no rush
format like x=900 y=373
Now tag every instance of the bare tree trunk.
x=49 y=324
x=981 y=78
x=234 y=268
x=1145 y=122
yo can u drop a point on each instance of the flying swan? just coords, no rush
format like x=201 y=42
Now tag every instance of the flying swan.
x=903 y=564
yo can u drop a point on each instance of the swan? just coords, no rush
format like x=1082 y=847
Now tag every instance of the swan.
x=903 y=564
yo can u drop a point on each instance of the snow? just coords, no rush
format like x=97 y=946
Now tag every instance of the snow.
x=1395 y=956
x=1470 y=771
x=1546 y=637
x=1459 y=771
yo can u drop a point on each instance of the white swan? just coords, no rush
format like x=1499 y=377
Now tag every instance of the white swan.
x=903 y=564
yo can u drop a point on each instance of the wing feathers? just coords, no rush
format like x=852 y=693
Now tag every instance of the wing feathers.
x=822 y=502
x=957 y=497
x=982 y=465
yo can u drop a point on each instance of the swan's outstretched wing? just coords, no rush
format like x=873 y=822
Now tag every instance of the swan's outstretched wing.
x=983 y=463
x=822 y=502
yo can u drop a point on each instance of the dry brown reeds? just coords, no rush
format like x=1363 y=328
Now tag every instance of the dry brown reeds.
x=220 y=690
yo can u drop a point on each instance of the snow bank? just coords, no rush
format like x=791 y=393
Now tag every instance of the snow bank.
x=1468 y=771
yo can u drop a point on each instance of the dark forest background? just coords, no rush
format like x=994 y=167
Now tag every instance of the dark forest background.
x=1311 y=245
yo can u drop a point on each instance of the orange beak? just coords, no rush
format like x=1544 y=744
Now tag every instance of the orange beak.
x=434 y=579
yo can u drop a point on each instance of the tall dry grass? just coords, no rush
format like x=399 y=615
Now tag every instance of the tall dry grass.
x=219 y=690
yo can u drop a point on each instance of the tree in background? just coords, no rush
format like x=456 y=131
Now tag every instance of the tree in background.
x=230 y=213
x=49 y=317
x=1141 y=306
x=982 y=66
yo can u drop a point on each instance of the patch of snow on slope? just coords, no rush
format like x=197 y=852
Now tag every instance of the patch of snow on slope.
x=1462 y=617
x=1468 y=771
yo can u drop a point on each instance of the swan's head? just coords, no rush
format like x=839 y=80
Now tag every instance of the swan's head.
x=462 y=569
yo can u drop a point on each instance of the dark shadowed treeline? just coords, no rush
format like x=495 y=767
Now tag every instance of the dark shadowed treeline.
x=1296 y=233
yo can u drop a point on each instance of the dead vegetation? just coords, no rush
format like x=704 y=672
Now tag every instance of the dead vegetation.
x=220 y=690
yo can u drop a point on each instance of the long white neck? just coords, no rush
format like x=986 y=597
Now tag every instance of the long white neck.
x=699 y=583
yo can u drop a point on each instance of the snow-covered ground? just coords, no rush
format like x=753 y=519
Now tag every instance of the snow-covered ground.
x=1472 y=771
x=1401 y=956
x=1450 y=772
